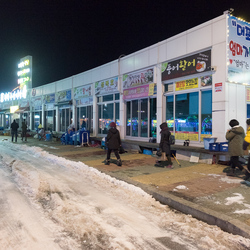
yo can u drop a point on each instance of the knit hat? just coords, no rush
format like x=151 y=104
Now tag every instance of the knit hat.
x=233 y=123
x=112 y=125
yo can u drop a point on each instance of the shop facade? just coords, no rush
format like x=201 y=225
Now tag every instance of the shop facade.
x=196 y=81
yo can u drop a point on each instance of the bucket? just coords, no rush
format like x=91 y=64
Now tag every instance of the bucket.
x=48 y=137
x=207 y=141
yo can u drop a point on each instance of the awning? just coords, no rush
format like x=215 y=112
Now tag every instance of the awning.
x=64 y=103
x=22 y=109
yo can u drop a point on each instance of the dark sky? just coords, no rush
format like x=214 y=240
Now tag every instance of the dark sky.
x=68 y=37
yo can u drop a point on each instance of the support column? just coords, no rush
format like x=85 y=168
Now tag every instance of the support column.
x=57 y=119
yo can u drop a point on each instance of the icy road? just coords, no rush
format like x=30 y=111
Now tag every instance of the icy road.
x=48 y=202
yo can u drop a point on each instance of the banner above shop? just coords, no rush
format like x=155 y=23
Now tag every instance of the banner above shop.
x=238 y=50
x=49 y=98
x=189 y=65
x=145 y=76
x=82 y=92
x=63 y=96
x=107 y=86
x=139 y=92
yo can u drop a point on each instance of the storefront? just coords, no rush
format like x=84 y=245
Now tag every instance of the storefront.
x=188 y=96
x=108 y=104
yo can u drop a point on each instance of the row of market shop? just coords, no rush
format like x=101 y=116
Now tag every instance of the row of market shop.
x=194 y=81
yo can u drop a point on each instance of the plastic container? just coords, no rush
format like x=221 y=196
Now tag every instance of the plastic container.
x=214 y=146
x=224 y=146
x=147 y=152
x=208 y=140
x=48 y=137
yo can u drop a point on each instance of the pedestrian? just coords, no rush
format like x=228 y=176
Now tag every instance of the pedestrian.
x=14 y=128
x=113 y=143
x=246 y=144
x=24 y=130
x=235 y=137
x=165 y=145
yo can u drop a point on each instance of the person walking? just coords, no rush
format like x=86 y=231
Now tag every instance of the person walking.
x=246 y=144
x=113 y=143
x=165 y=145
x=14 y=128
x=235 y=137
x=24 y=130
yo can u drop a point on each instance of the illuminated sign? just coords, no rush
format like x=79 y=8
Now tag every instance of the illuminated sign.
x=13 y=109
x=15 y=95
x=25 y=72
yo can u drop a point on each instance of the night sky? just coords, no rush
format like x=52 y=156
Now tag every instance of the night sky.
x=68 y=37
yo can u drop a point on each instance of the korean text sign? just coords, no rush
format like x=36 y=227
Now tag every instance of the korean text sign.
x=186 y=84
x=238 y=50
x=189 y=65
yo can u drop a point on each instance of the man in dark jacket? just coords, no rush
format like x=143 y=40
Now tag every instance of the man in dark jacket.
x=113 y=143
x=24 y=130
x=14 y=128
x=165 y=145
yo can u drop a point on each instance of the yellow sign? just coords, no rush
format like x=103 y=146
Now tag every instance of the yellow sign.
x=186 y=84
x=248 y=94
x=13 y=109
x=151 y=89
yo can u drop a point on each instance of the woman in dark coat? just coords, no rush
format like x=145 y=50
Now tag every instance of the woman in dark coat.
x=165 y=144
x=113 y=143
x=235 y=137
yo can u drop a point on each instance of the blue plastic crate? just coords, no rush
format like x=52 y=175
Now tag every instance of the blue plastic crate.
x=224 y=146
x=214 y=146
x=147 y=152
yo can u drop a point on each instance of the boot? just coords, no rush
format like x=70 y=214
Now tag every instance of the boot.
x=231 y=173
x=247 y=175
x=119 y=162
x=107 y=162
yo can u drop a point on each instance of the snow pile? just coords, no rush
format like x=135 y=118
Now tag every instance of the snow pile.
x=101 y=212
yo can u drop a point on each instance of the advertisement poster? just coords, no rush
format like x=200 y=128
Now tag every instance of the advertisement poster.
x=139 y=78
x=218 y=87
x=238 y=51
x=81 y=92
x=192 y=136
x=49 y=98
x=206 y=81
x=248 y=94
x=139 y=92
x=106 y=87
x=37 y=103
x=186 y=84
x=62 y=96
x=189 y=65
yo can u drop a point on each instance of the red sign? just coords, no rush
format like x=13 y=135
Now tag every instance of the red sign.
x=218 y=87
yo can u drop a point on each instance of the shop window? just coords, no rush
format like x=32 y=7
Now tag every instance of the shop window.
x=170 y=112
x=117 y=96
x=49 y=120
x=135 y=118
x=107 y=98
x=117 y=113
x=128 y=122
x=186 y=116
x=169 y=87
x=248 y=111
x=105 y=116
x=153 y=121
x=144 y=117
x=206 y=114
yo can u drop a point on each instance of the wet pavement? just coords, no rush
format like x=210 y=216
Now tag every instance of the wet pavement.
x=202 y=190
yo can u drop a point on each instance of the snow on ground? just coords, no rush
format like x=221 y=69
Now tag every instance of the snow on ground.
x=86 y=209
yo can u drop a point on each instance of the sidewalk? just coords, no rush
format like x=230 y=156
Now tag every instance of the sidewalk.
x=201 y=190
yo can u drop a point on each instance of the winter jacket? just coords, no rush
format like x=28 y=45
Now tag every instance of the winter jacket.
x=164 y=143
x=235 y=136
x=24 y=127
x=14 y=126
x=247 y=140
x=113 y=139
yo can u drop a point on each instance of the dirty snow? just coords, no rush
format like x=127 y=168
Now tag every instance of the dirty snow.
x=63 y=204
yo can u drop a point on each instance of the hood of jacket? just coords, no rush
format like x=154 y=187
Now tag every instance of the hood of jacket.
x=113 y=130
x=237 y=130
x=163 y=125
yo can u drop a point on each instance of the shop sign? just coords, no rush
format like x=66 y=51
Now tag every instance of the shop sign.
x=238 y=50
x=49 y=98
x=248 y=94
x=62 y=96
x=106 y=87
x=192 y=136
x=37 y=103
x=85 y=101
x=24 y=104
x=139 y=78
x=139 y=92
x=189 y=65
x=218 y=87
x=81 y=92
x=186 y=84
